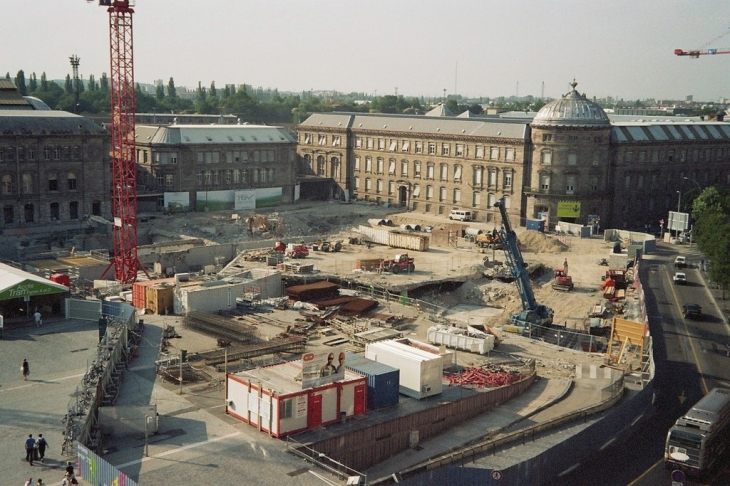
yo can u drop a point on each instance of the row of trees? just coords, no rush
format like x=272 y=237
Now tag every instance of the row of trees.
x=711 y=212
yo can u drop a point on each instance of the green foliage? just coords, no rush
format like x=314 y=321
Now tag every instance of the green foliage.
x=20 y=83
x=712 y=232
x=68 y=86
x=709 y=200
x=143 y=103
x=171 y=91
x=160 y=93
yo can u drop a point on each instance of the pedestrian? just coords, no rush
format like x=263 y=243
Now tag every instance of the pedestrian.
x=29 y=448
x=70 y=476
x=37 y=316
x=41 y=443
x=565 y=267
x=40 y=482
x=29 y=482
x=25 y=369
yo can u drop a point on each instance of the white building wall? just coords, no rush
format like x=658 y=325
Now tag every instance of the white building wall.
x=420 y=371
x=207 y=299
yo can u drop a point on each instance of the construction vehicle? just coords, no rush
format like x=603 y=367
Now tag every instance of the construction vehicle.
x=401 y=263
x=488 y=240
x=297 y=251
x=561 y=280
x=532 y=313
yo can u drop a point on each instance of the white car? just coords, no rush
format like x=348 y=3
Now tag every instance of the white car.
x=680 y=262
x=680 y=278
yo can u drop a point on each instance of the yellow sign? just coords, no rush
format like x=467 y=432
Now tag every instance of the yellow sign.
x=568 y=209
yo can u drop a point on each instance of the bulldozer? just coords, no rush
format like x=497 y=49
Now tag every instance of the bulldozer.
x=401 y=263
x=562 y=281
x=488 y=240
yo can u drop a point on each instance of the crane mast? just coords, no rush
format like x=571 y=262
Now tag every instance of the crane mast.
x=123 y=149
x=532 y=312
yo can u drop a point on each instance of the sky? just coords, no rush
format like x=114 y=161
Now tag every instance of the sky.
x=475 y=48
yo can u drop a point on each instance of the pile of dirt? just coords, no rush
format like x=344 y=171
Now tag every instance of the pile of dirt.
x=537 y=242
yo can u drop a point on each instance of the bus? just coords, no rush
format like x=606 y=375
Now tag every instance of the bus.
x=700 y=437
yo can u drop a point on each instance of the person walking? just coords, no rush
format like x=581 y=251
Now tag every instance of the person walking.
x=29 y=448
x=40 y=483
x=41 y=443
x=37 y=316
x=70 y=476
x=29 y=482
x=25 y=369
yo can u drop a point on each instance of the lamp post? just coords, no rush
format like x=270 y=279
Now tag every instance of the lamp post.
x=679 y=200
x=699 y=187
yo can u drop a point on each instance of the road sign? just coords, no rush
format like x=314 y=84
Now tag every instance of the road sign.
x=496 y=475
x=677 y=477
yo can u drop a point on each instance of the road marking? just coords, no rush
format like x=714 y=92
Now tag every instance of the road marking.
x=70 y=377
x=632 y=483
x=686 y=330
x=179 y=449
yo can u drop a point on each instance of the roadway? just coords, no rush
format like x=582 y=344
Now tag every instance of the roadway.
x=690 y=360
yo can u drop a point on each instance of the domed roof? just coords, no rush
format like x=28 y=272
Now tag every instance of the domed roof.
x=573 y=109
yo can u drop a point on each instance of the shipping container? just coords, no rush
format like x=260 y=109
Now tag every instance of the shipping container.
x=383 y=380
x=457 y=338
x=395 y=239
x=421 y=371
x=160 y=298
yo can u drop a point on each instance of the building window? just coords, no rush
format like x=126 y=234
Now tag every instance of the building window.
x=27 y=184
x=444 y=173
x=31 y=154
x=429 y=171
x=7 y=187
x=52 y=181
x=479 y=152
x=509 y=154
x=170 y=180
x=507 y=179
x=71 y=181
x=683 y=155
x=491 y=200
x=46 y=153
x=570 y=185
x=286 y=408
x=457 y=173
x=335 y=140
x=160 y=179
x=507 y=202
x=544 y=182
x=547 y=137
x=391 y=167
x=572 y=159
x=320 y=165
x=73 y=210
x=442 y=194
x=393 y=145
x=492 y=177
x=477 y=175
x=404 y=168
x=417 y=170
x=57 y=153
x=358 y=142
x=229 y=176
x=29 y=213
x=546 y=157
x=369 y=143
x=419 y=147
x=429 y=192
x=405 y=146
x=208 y=178
x=381 y=164
x=445 y=149
x=381 y=144
x=457 y=195
x=368 y=165
x=236 y=176
x=476 y=199
x=357 y=163
x=431 y=148
x=357 y=182
x=391 y=188
x=670 y=155
x=642 y=156
x=379 y=186
x=596 y=159
x=640 y=181
x=695 y=155
x=594 y=183
x=416 y=190
x=368 y=184
x=493 y=153
x=307 y=138
x=173 y=158
x=55 y=211
x=627 y=181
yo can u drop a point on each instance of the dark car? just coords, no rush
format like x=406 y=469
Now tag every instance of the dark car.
x=692 y=311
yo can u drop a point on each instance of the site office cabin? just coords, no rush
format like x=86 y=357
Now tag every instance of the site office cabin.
x=272 y=400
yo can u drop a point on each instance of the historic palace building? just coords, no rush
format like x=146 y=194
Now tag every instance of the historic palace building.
x=571 y=161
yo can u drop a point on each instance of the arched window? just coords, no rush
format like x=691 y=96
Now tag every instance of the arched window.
x=27 y=184
x=72 y=184
x=7 y=185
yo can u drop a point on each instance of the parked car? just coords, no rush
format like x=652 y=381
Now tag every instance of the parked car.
x=680 y=262
x=692 y=311
x=680 y=278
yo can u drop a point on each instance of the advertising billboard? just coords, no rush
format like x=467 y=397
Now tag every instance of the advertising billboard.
x=323 y=366
x=245 y=199
x=568 y=209
x=177 y=201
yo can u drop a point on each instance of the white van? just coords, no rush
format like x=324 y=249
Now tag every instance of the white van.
x=460 y=215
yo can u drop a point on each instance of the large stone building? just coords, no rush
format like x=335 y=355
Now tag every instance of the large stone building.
x=54 y=165
x=214 y=166
x=570 y=161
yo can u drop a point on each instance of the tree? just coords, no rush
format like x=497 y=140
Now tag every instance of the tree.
x=171 y=91
x=143 y=102
x=104 y=83
x=160 y=92
x=92 y=83
x=213 y=92
x=32 y=84
x=68 y=86
x=20 y=83
x=44 y=82
x=709 y=201
x=712 y=229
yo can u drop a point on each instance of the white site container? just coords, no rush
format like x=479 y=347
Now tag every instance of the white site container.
x=457 y=338
x=421 y=372
x=207 y=297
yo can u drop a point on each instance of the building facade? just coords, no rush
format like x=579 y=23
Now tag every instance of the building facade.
x=570 y=161
x=198 y=162
x=54 y=168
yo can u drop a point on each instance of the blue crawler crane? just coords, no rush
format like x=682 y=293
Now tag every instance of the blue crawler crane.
x=532 y=313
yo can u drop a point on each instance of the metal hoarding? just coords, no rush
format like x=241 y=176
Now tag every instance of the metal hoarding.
x=323 y=366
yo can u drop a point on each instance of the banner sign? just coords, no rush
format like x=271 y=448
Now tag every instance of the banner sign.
x=323 y=366
x=568 y=209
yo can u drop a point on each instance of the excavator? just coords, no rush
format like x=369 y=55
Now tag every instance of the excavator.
x=532 y=313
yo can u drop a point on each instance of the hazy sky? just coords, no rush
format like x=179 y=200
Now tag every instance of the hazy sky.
x=621 y=48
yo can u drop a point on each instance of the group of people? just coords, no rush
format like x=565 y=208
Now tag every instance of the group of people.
x=35 y=449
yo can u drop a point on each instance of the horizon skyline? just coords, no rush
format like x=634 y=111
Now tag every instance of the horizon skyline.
x=420 y=48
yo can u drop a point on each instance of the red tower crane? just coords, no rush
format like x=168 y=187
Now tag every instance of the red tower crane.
x=703 y=51
x=124 y=163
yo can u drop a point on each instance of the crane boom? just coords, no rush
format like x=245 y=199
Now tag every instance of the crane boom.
x=123 y=149
x=532 y=312
x=696 y=53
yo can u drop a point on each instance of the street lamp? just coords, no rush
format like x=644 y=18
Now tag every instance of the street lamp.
x=699 y=187
x=679 y=200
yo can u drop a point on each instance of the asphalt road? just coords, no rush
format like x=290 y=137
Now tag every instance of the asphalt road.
x=690 y=360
